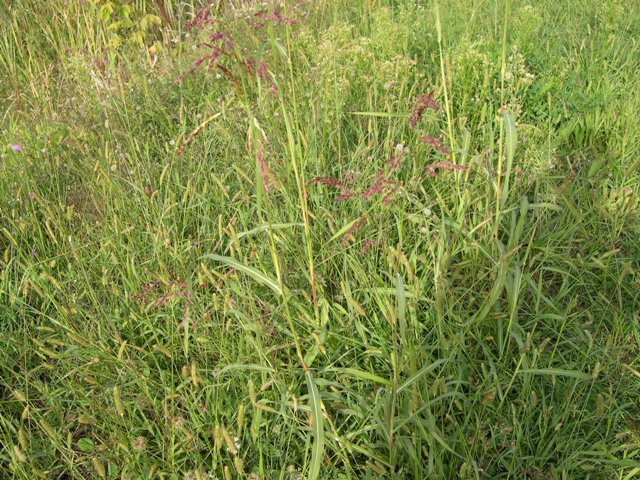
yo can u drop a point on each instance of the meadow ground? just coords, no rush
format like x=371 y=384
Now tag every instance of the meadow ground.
x=333 y=239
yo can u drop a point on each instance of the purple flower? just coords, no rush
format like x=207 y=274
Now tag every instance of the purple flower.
x=16 y=148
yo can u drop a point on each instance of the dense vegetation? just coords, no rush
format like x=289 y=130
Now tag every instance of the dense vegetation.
x=330 y=239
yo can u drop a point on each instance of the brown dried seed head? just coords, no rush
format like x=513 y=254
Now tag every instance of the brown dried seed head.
x=139 y=444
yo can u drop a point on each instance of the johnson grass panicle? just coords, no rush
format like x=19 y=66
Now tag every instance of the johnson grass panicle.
x=422 y=103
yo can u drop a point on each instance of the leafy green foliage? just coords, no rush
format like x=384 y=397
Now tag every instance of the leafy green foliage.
x=126 y=23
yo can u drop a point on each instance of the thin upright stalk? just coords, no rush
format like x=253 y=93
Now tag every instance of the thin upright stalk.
x=503 y=68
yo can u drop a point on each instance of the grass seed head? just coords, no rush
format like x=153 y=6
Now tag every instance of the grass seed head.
x=422 y=103
x=139 y=444
x=435 y=143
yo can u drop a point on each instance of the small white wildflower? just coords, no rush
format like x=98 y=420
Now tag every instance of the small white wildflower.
x=218 y=76
x=427 y=212
x=114 y=167
x=227 y=187
x=172 y=142
x=43 y=150
x=236 y=444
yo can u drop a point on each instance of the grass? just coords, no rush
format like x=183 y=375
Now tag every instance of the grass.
x=183 y=297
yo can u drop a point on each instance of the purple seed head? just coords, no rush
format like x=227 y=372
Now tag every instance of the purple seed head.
x=422 y=103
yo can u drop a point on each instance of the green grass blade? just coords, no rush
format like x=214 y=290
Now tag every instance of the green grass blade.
x=258 y=276
x=317 y=452
x=362 y=375
x=423 y=371
x=401 y=306
x=558 y=372
x=244 y=366
x=511 y=140
x=381 y=114
x=264 y=228
x=343 y=230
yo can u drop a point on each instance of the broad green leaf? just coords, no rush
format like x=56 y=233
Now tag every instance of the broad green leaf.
x=86 y=445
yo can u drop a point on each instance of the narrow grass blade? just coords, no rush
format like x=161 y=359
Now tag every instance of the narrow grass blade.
x=511 y=140
x=317 y=452
x=437 y=434
x=381 y=114
x=398 y=426
x=360 y=449
x=281 y=50
x=619 y=462
x=559 y=372
x=252 y=272
x=264 y=228
x=495 y=293
x=401 y=306
x=244 y=366
x=423 y=371
x=343 y=230
x=362 y=375
x=632 y=474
